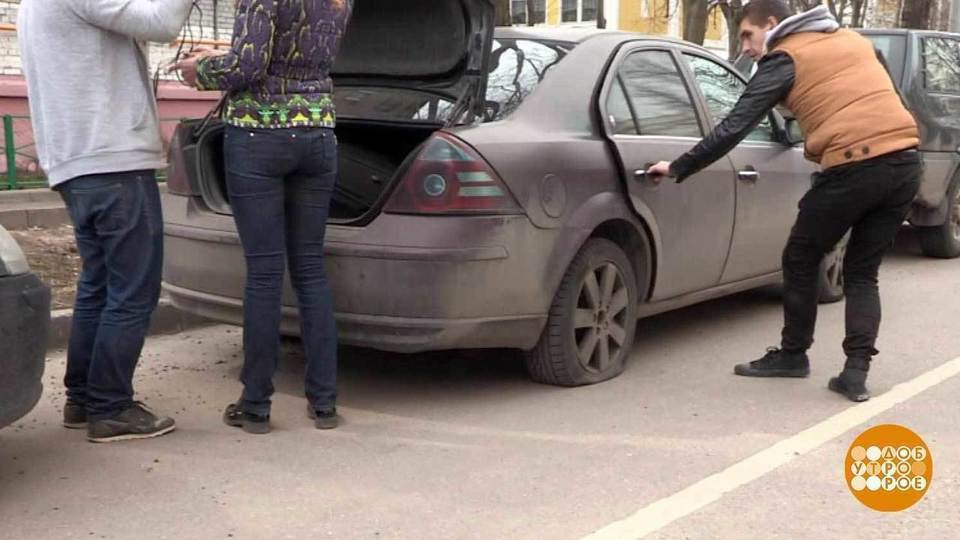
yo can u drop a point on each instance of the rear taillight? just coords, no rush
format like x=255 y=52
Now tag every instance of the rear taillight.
x=449 y=177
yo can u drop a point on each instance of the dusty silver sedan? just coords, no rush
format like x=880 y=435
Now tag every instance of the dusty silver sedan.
x=492 y=193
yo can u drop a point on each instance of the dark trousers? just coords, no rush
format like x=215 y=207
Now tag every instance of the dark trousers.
x=119 y=232
x=869 y=199
x=280 y=184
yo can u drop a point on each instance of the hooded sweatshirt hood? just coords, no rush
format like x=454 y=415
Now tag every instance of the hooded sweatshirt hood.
x=818 y=19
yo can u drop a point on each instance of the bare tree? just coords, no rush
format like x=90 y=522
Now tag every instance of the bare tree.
x=804 y=5
x=695 y=14
x=502 y=13
x=732 y=9
x=849 y=12
x=917 y=14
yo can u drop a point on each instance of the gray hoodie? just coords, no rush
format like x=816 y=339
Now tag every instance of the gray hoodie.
x=91 y=98
x=818 y=19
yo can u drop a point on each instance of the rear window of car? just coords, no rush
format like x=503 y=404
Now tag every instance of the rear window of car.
x=517 y=66
x=894 y=50
x=941 y=65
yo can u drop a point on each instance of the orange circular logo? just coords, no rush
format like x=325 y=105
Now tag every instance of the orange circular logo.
x=889 y=468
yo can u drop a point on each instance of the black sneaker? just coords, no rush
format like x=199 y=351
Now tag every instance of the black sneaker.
x=74 y=415
x=776 y=363
x=324 y=418
x=134 y=422
x=852 y=382
x=255 y=424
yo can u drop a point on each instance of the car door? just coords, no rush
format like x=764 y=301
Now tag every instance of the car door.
x=771 y=176
x=652 y=115
x=938 y=115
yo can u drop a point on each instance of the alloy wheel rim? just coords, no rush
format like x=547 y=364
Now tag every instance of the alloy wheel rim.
x=600 y=330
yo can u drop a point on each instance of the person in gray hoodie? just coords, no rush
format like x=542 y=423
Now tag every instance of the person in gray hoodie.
x=98 y=139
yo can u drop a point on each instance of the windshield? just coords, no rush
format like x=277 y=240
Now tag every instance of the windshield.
x=516 y=68
x=894 y=50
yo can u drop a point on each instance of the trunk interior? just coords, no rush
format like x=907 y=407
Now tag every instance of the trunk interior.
x=370 y=154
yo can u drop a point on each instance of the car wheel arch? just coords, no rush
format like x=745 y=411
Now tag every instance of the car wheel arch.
x=608 y=215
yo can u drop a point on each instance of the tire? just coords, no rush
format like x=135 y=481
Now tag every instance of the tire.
x=609 y=324
x=943 y=242
x=830 y=285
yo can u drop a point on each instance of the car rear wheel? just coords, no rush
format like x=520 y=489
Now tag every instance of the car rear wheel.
x=943 y=242
x=831 y=273
x=592 y=321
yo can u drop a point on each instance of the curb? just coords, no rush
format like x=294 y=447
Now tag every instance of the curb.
x=24 y=218
x=39 y=207
x=166 y=320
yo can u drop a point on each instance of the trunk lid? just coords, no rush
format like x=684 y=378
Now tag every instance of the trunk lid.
x=439 y=46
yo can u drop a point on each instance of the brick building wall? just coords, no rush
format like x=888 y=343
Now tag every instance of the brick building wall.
x=9 y=53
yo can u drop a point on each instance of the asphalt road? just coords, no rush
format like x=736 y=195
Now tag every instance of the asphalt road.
x=461 y=445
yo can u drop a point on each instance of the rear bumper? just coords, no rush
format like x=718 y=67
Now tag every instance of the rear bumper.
x=24 y=322
x=403 y=283
x=395 y=334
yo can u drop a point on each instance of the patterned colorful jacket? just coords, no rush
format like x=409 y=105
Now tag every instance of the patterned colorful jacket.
x=277 y=72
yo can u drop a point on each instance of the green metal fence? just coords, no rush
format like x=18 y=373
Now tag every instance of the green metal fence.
x=15 y=178
x=25 y=178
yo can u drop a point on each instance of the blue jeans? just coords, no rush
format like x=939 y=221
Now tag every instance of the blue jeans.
x=280 y=184
x=119 y=232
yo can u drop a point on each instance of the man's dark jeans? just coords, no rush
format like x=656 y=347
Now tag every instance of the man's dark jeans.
x=871 y=199
x=280 y=184
x=119 y=231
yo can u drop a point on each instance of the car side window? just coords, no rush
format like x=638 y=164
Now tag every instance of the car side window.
x=941 y=65
x=722 y=89
x=618 y=111
x=657 y=95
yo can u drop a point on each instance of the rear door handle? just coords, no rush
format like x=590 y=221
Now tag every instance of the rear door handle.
x=642 y=174
x=749 y=174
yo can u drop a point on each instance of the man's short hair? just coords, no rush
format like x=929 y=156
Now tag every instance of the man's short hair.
x=758 y=11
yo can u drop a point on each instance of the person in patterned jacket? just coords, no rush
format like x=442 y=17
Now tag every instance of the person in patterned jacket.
x=281 y=167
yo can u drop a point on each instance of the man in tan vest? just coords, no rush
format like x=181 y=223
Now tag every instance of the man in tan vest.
x=858 y=129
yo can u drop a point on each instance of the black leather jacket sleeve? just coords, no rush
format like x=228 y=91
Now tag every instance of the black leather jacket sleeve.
x=770 y=86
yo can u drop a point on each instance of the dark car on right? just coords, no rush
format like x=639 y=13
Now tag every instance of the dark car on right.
x=926 y=67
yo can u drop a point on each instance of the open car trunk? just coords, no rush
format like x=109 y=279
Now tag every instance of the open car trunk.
x=434 y=50
x=370 y=156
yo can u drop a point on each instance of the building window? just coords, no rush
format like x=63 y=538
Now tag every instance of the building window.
x=579 y=11
x=519 y=12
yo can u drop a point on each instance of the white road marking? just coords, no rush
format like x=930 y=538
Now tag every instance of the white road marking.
x=665 y=511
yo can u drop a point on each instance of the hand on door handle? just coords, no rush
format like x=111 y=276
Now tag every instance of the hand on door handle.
x=654 y=172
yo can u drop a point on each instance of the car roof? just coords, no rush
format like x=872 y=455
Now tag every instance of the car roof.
x=572 y=34
x=904 y=32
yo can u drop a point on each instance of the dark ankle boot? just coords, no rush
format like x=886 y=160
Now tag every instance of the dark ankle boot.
x=776 y=363
x=852 y=381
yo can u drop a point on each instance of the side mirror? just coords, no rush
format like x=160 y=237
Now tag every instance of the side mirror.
x=792 y=132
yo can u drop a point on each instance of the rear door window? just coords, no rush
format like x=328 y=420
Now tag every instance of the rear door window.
x=618 y=110
x=657 y=96
x=722 y=90
x=941 y=65
x=894 y=51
